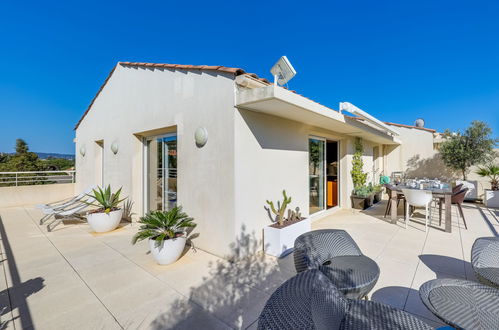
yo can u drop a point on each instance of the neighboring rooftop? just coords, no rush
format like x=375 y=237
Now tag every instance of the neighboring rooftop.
x=411 y=126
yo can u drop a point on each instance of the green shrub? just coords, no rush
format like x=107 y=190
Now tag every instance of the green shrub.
x=163 y=225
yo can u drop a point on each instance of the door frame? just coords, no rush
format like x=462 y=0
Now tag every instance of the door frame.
x=324 y=197
x=325 y=211
x=145 y=170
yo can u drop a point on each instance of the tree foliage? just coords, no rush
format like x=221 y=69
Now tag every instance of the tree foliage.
x=21 y=146
x=24 y=160
x=58 y=164
x=475 y=146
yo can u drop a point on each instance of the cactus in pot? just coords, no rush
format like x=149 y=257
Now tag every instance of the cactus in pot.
x=281 y=208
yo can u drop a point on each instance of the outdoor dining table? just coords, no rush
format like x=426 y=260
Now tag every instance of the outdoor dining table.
x=445 y=192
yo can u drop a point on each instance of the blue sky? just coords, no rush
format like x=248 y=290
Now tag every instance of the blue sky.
x=397 y=60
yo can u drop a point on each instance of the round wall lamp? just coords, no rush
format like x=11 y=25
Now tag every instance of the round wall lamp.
x=83 y=150
x=115 y=147
x=201 y=136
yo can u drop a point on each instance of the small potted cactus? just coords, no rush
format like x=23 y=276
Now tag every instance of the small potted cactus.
x=279 y=237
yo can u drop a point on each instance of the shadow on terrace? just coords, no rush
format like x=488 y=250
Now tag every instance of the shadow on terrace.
x=235 y=290
x=15 y=296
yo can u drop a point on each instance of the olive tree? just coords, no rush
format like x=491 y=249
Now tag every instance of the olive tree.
x=474 y=146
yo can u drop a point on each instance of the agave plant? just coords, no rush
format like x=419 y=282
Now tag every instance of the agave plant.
x=163 y=225
x=492 y=172
x=104 y=199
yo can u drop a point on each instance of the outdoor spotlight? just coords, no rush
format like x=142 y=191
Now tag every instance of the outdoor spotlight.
x=201 y=136
x=114 y=147
x=83 y=151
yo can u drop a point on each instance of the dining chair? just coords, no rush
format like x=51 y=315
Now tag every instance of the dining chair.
x=457 y=199
x=400 y=197
x=457 y=188
x=439 y=200
x=417 y=198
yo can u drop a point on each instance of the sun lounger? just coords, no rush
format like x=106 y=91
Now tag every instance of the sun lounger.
x=73 y=213
x=49 y=209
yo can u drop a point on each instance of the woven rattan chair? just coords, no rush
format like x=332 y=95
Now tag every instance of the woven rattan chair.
x=352 y=273
x=462 y=304
x=309 y=300
x=485 y=260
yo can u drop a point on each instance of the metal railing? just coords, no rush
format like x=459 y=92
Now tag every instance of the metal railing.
x=36 y=177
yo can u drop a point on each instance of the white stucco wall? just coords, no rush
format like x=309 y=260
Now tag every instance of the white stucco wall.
x=415 y=155
x=271 y=154
x=35 y=194
x=482 y=183
x=136 y=101
x=250 y=157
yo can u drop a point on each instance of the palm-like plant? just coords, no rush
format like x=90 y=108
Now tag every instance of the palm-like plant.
x=492 y=172
x=104 y=199
x=163 y=225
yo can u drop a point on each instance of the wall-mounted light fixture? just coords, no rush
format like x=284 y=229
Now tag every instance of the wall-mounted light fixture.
x=201 y=136
x=115 y=147
x=83 y=150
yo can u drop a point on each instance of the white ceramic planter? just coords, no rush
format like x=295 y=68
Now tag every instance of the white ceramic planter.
x=491 y=198
x=169 y=251
x=103 y=222
x=279 y=242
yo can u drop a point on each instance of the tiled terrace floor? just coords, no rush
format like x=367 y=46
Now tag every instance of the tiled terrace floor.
x=71 y=278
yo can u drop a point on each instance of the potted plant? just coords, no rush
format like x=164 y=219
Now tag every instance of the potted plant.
x=491 y=196
x=360 y=198
x=166 y=232
x=279 y=238
x=378 y=193
x=108 y=215
x=360 y=191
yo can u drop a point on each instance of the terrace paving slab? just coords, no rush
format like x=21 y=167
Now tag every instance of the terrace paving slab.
x=73 y=278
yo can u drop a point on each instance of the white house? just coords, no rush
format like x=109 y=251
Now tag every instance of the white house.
x=139 y=133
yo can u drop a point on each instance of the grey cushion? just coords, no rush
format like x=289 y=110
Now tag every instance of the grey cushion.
x=462 y=304
x=314 y=248
x=353 y=273
x=485 y=260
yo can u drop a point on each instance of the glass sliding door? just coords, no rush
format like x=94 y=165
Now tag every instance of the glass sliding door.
x=316 y=168
x=161 y=172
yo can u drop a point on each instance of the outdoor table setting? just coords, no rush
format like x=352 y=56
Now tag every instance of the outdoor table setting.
x=436 y=187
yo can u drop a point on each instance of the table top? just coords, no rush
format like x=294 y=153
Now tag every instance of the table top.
x=439 y=191
x=466 y=305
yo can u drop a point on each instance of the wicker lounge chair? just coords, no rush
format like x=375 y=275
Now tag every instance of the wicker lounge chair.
x=352 y=273
x=485 y=260
x=309 y=300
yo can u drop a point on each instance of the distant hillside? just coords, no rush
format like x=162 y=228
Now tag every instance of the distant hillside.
x=45 y=155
